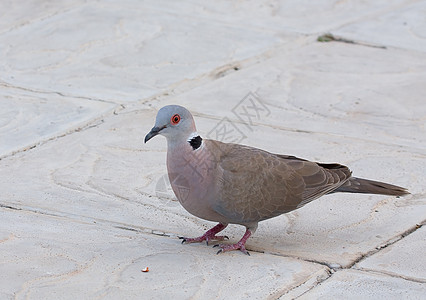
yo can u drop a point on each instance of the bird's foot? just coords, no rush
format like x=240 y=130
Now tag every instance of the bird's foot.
x=204 y=237
x=210 y=235
x=241 y=245
x=226 y=247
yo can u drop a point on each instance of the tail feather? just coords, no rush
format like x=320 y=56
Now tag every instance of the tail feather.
x=365 y=186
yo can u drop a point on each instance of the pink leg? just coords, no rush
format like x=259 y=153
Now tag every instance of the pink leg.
x=238 y=246
x=210 y=235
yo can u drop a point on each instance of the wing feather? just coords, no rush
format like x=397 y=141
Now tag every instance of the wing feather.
x=255 y=185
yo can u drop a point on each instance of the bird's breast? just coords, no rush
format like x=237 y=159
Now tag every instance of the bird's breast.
x=192 y=177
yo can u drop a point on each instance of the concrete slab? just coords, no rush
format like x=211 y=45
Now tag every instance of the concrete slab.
x=86 y=206
x=403 y=259
x=401 y=26
x=285 y=16
x=14 y=15
x=45 y=257
x=127 y=51
x=353 y=284
x=28 y=118
x=107 y=173
x=336 y=88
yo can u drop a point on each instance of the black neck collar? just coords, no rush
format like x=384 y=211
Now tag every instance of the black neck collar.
x=195 y=142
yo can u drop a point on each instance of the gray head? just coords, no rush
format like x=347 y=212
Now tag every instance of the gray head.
x=174 y=122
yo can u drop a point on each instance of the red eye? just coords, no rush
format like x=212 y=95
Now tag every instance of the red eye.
x=175 y=119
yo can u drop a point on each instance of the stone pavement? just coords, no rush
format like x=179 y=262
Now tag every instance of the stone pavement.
x=84 y=202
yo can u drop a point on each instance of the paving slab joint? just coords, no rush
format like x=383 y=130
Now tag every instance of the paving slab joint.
x=88 y=125
x=318 y=279
x=328 y=37
x=388 y=243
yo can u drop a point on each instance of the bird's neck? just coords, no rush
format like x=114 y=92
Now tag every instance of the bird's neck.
x=195 y=142
x=187 y=155
x=189 y=143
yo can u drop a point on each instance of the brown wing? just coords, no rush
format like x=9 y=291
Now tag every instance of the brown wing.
x=255 y=185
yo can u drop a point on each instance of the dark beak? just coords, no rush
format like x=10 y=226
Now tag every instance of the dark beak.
x=154 y=131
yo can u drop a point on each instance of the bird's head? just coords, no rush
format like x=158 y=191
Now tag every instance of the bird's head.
x=174 y=122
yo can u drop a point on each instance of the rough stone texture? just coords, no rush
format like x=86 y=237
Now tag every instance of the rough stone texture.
x=400 y=27
x=28 y=118
x=125 y=52
x=74 y=259
x=85 y=205
x=352 y=284
x=402 y=259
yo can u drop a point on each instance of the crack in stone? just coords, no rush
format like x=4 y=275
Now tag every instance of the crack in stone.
x=391 y=274
x=9 y=207
x=328 y=37
x=390 y=242
x=329 y=268
x=8 y=85
x=88 y=220
x=41 y=142
x=88 y=125
x=41 y=18
x=226 y=69
x=127 y=228
x=317 y=278
x=368 y=254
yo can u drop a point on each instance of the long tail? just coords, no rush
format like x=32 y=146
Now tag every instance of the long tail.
x=365 y=186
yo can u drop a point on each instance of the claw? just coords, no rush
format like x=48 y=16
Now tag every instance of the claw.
x=245 y=251
x=210 y=235
x=225 y=248
x=238 y=246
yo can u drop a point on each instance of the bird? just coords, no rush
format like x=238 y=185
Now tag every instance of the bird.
x=231 y=183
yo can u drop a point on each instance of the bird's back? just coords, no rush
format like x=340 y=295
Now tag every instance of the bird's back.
x=254 y=185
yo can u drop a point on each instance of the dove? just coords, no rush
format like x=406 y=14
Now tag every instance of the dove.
x=236 y=184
